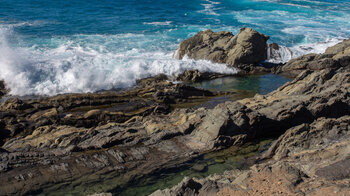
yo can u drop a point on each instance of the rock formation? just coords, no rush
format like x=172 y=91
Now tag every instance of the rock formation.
x=334 y=57
x=3 y=89
x=247 y=48
x=100 y=142
x=52 y=153
x=311 y=157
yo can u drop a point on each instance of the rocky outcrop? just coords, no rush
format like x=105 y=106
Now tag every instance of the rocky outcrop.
x=142 y=145
x=334 y=57
x=247 y=48
x=3 y=89
x=309 y=159
x=120 y=137
x=152 y=95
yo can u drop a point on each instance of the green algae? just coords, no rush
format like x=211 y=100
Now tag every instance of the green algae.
x=134 y=183
x=236 y=157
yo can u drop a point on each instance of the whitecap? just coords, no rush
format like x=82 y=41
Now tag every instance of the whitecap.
x=83 y=65
x=284 y=54
x=158 y=23
x=209 y=7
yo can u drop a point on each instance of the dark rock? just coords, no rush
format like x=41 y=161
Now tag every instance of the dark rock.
x=197 y=76
x=3 y=89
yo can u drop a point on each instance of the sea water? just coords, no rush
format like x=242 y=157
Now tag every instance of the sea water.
x=52 y=47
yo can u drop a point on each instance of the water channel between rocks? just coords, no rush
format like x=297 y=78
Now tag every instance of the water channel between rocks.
x=212 y=163
x=220 y=161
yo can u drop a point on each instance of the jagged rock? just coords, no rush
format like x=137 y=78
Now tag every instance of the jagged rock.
x=338 y=48
x=309 y=159
x=152 y=95
x=248 y=47
x=187 y=187
x=319 y=144
x=3 y=89
x=334 y=57
x=44 y=156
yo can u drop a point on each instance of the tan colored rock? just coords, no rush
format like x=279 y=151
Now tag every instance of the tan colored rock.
x=334 y=57
x=247 y=47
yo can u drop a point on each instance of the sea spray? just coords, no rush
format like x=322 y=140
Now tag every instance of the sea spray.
x=59 y=47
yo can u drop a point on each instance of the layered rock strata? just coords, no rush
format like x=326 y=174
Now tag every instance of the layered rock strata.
x=90 y=143
x=311 y=157
x=49 y=155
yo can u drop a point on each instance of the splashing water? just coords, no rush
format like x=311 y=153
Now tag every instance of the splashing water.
x=82 y=46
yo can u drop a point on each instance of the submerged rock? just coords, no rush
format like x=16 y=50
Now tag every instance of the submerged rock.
x=248 y=47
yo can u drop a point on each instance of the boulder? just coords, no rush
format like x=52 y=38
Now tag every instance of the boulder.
x=248 y=47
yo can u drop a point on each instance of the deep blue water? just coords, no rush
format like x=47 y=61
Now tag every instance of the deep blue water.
x=50 y=47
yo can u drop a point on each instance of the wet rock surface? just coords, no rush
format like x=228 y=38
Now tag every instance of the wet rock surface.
x=245 y=50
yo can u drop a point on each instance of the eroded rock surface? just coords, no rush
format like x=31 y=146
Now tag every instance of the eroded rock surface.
x=246 y=49
x=311 y=157
x=101 y=142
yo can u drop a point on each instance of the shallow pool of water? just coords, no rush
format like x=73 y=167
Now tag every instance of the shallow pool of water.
x=211 y=163
x=240 y=87
x=246 y=85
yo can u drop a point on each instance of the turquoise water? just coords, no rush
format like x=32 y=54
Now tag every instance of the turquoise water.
x=51 y=47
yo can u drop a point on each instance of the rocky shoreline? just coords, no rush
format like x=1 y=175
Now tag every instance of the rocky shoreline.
x=100 y=142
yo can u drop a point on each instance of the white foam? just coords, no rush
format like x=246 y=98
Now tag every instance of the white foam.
x=71 y=67
x=209 y=8
x=284 y=54
x=158 y=23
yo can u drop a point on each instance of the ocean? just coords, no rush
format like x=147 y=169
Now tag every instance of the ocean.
x=54 y=47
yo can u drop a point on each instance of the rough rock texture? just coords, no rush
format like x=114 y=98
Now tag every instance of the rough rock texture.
x=153 y=95
x=3 y=90
x=309 y=159
x=92 y=143
x=46 y=157
x=334 y=57
x=197 y=76
x=248 y=47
